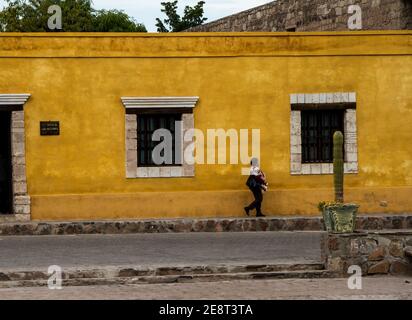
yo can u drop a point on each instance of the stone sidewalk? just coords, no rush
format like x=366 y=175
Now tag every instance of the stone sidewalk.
x=234 y=224
x=392 y=288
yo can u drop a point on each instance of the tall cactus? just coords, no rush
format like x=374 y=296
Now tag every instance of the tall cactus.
x=338 y=165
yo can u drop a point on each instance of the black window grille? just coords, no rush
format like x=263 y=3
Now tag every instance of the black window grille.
x=318 y=127
x=147 y=124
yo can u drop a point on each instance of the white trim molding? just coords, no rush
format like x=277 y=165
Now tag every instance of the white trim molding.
x=159 y=102
x=21 y=198
x=322 y=98
x=345 y=100
x=13 y=99
x=131 y=104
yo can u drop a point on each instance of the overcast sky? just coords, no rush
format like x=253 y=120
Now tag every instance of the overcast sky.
x=147 y=11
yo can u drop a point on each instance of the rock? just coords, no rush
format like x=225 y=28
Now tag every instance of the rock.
x=251 y=226
x=276 y=224
x=360 y=261
x=43 y=229
x=381 y=267
x=301 y=224
x=131 y=227
x=181 y=227
x=219 y=227
x=372 y=223
x=131 y=273
x=262 y=225
x=210 y=226
x=397 y=222
x=333 y=244
x=314 y=225
x=382 y=241
x=4 y=277
x=225 y=225
x=409 y=222
x=396 y=249
x=362 y=246
x=335 y=264
x=198 y=226
x=378 y=254
x=400 y=267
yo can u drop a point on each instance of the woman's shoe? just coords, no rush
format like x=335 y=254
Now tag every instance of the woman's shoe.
x=260 y=215
x=247 y=211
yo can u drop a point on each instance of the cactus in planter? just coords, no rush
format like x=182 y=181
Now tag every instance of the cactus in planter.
x=338 y=216
x=338 y=166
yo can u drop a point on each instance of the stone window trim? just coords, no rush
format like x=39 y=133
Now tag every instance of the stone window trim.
x=133 y=105
x=345 y=100
x=21 y=198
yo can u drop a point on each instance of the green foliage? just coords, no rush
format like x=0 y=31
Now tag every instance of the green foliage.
x=115 y=21
x=323 y=204
x=77 y=16
x=192 y=17
x=338 y=165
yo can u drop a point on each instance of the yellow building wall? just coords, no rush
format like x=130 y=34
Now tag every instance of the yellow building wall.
x=243 y=81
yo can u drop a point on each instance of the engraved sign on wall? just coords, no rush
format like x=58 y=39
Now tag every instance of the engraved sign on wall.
x=49 y=128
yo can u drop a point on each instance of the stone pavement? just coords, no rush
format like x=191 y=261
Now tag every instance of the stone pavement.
x=388 y=287
x=173 y=249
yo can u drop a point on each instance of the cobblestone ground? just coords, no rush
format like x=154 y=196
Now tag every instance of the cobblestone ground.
x=392 y=288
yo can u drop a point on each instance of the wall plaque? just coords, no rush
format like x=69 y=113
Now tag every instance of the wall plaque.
x=49 y=128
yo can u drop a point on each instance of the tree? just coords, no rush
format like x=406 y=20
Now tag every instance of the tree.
x=115 y=21
x=192 y=17
x=77 y=16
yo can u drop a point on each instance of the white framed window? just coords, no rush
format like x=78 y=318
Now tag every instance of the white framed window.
x=317 y=107
x=144 y=115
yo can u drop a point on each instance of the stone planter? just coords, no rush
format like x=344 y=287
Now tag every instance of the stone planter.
x=340 y=218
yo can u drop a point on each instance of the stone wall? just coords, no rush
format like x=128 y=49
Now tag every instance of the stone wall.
x=375 y=252
x=315 y=15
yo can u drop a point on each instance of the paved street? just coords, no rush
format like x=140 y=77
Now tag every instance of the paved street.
x=373 y=288
x=90 y=251
x=87 y=251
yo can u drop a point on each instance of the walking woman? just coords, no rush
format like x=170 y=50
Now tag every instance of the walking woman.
x=257 y=184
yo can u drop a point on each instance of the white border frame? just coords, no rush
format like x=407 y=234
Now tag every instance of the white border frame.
x=21 y=198
x=156 y=103
x=350 y=126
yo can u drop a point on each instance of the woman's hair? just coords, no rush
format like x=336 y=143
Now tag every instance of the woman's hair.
x=254 y=162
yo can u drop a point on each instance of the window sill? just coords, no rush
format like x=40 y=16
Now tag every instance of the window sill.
x=322 y=168
x=162 y=172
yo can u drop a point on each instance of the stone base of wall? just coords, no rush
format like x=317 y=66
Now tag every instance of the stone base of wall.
x=196 y=225
x=14 y=218
x=375 y=252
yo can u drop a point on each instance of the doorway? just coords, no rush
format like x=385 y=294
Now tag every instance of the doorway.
x=6 y=192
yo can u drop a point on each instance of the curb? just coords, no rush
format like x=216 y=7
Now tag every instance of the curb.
x=378 y=222
x=158 y=275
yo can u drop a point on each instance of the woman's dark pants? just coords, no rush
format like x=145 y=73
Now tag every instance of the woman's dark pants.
x=257 y=204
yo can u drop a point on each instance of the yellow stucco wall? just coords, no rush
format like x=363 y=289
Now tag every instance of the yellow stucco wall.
x=243 y=81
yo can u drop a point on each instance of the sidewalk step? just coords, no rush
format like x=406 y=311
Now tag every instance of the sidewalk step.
x=302 y=274
x=127 y=272
x=233 y=224
x=163 y=274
